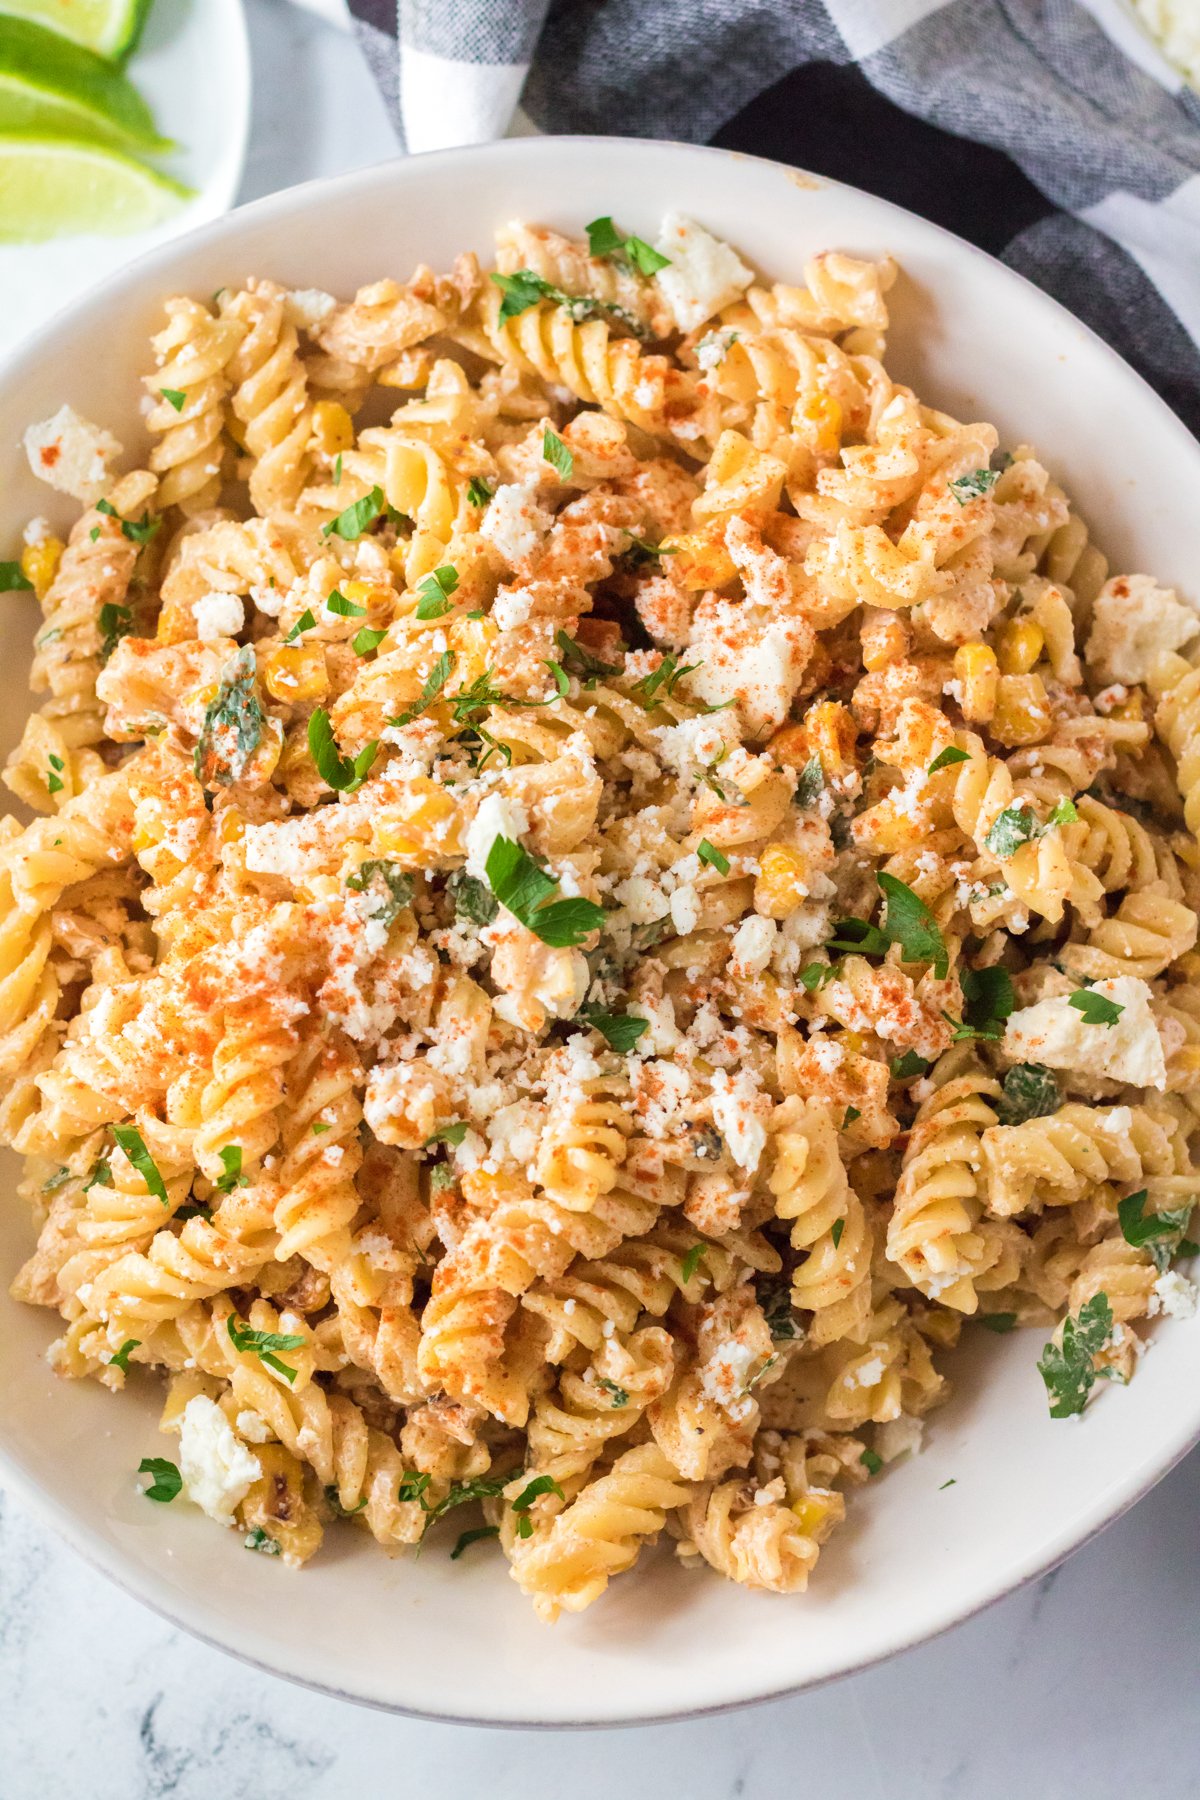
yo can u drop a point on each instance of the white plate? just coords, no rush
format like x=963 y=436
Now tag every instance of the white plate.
x=456 y=1640
x=193 y=69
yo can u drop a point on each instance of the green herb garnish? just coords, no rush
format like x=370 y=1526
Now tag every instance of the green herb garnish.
x=342 y=608
x=336 y=770
x=604 y=240
x=433 y=594
x=478 y=491
x=233 y=725
x=1030 y=1092
x=306 y=622
x=167 y=1480
x=262 y=1541
x=945 y=759
x=810 y=783
x=909 y=1064
x=1067 y=1368
x=448 y=1134
x=619 y=1030
x=524 y=890
x=394 y=887
x=999 y=1322
x=264 y=1344
x=120 y=1358
x=435 y=681
x=709 y=853
x=357 y=518
x=174 y=396
x=871 y=1461
x=1094 y=1008
x=231 y=1163
x=132 y=1143
x=476 y=1536
x=13 y=579
x=1161 y=1233
x=972 y=486
x=556 y=453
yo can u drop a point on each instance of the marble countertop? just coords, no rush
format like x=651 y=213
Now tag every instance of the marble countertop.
x=1087 y=1683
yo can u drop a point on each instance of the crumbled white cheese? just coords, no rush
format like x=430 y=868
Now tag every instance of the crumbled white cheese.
x=736 y=1111
x=253 y=1428
x=898 y=1437
x=712 y=350
x=1134 y=623
x=218 y=615
x=753 y=944
x=685 y=909
x=268 y=599
x=1055 y=1033
x=498 y=816
x=516 y=522
x=724 y=1376
x=37 y=531
x=72 y=455
x=1176 y=1295
x=757 y=663
x=216 y=1467
x=306 y=308
x=703 y=274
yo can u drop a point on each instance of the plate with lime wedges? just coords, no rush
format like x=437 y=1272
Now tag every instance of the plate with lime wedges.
x=122 y=123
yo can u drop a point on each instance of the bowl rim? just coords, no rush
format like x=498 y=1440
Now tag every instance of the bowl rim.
x=90 y=1542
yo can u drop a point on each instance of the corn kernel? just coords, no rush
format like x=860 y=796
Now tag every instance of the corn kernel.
x=832 y=735
x=885 y=639
x=1022 y=714
x=176 y=624
x=823 y=415
x=853 y=1041
x=145 y=836
x=429 y=824
x=700 y=560
x=812 y=1510
x=1019 y=644
x=472 y=641
x=1133 y=707
x=360 y=592
x=977 y=673
x=39 y=564
x=780 y=886
x=332 y=427
x=295 y=672
x=789 y=746
x=232 y=826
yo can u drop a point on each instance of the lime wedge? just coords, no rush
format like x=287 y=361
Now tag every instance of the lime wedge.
x=48 y=84
x=110 y=27
x=53 y=187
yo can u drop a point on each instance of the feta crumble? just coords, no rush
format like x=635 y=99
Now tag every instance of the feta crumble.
x=73 y=455
x=217 y=1469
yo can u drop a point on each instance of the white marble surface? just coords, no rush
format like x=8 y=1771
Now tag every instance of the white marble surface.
x=1086 y=1684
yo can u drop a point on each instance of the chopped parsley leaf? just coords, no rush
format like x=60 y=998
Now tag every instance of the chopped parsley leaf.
x=989 y=998
x=262 y=1541
x=433 y=594
x=1030 y=1092
x=476 y=1536
x=368 y=639
x=1159 y=1232
x=334 y=1501
x=972 y=486
x=691 y=1262
x=233 y=725
x=667 y=674
x=115 y=622
x=231 y=1163
x=448 y=1134
x=174 y=396
x=871 y=1461
x=999 y=1322
x=604 y=240
x=541 y=1484
x=810 y=783
x=1068 y=1367
x=620 y=1031
x=395 y=888
x=620 y=1395
x=356 y=518
x=524 y=890
x=815 y=975
x=132 y=1143
x=1015 y=826
x=263 y=1344
x=54 y=782
x=479 y=492
x=336 y=770
x=1094 y=1008
x=120 y=1358
x=435 y=681
x=556 y=453
x=167 y=1482
x=306 y=622
x=13 y=579
x=910 y=1064
x=472 y=900
x=946 y=759
x=577 y=660
x=524 y=289
x=342 y=608
x=836 y=1230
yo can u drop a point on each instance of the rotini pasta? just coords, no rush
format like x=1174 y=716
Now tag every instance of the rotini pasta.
x=477 y=1060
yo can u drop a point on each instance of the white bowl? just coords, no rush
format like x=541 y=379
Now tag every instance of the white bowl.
x=456 y=1640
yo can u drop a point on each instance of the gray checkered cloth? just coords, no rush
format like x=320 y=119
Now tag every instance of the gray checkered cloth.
x=1048 y=131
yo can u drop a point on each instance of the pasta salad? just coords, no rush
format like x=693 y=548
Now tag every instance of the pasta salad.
x=606 y=880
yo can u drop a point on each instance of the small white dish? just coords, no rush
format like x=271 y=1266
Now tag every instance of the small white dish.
x=455 y=1639
x=193 y=69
